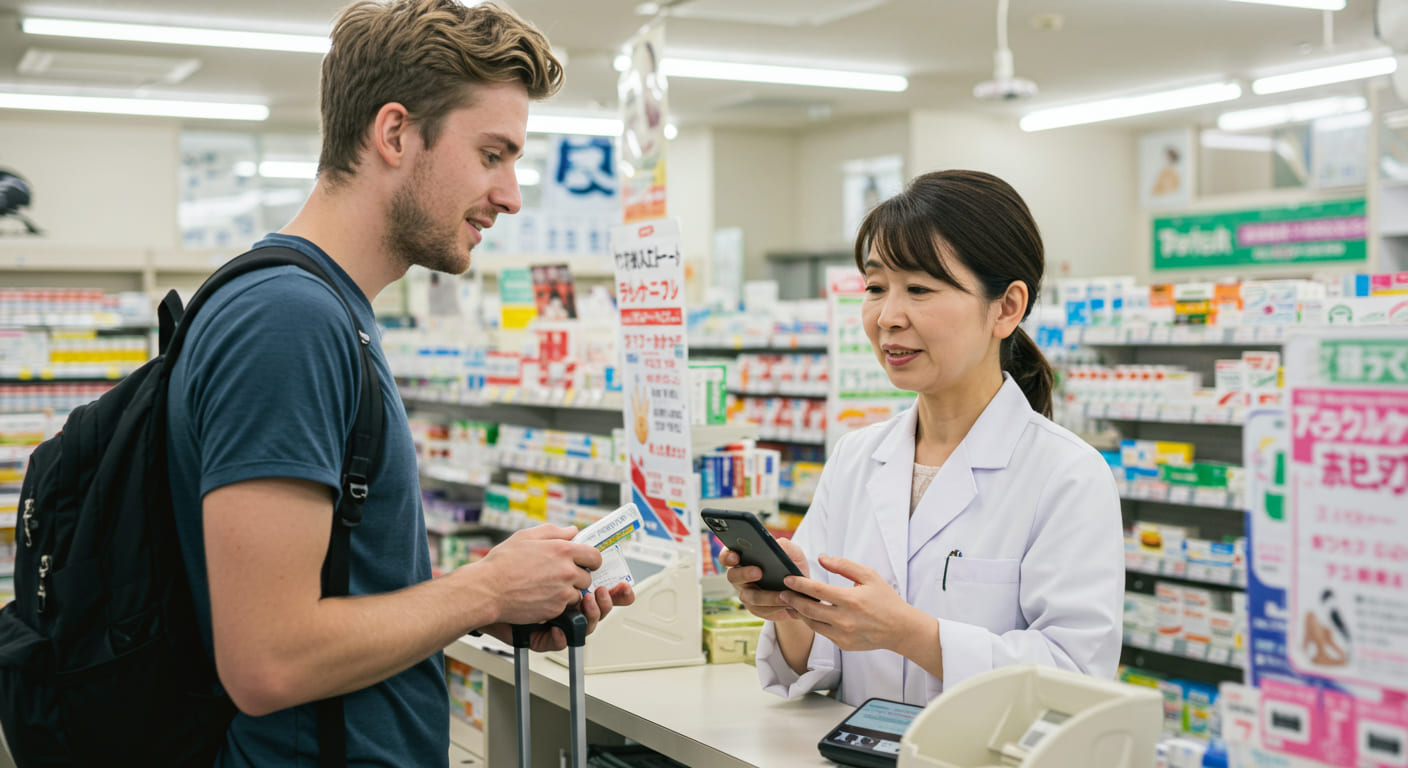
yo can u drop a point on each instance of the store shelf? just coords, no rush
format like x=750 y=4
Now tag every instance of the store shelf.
x=813 y=395
x=583 y=265
x=445 y=527
x=1179 y=335
x=707 y=437
x=793 y=436
x=778 y=344
x=1163 y=414
x=1185 y=495
x=15 y=453
x=1177 y=646
x=478 y=477
x=1154 y=565
x=10 y=374
x=595 y=470
x=761 y=506
x=595 y=400
x=104 y=323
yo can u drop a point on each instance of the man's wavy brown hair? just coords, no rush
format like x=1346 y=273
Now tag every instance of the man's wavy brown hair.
x=428 y=56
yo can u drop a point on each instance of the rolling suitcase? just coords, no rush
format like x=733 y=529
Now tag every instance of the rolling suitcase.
x=574 y=625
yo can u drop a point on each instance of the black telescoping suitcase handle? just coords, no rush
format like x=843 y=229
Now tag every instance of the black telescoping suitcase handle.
x=574 y=625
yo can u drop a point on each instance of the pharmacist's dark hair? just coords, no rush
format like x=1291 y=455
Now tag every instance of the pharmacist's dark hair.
x=982 y=221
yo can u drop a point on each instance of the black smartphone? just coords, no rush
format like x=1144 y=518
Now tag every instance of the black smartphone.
x=743 y=532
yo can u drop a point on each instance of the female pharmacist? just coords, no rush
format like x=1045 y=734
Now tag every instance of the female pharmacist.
x=967 y=532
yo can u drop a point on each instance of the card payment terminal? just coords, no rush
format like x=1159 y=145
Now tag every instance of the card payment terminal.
x=870 y=736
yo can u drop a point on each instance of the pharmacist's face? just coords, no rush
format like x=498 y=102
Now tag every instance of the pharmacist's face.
x=928 y=335
x=459 y=186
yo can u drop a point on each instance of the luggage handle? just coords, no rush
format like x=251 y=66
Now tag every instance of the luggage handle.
x=574 y=625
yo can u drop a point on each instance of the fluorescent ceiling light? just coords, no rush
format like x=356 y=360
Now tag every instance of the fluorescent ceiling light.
x=210 y=110
x=671 y=131
x=288 y=169
x=1129 y=106
x=768 y=73
x=1236 y=141
x=1319 y=5
x=581 y=126
x=1341 y=122
x=1297 y=112
x=1339 y=73
x=528 y=177
x=154 y=33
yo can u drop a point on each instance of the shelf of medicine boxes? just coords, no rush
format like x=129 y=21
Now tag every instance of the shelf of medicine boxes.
x=12 y=373
x=1176 y=335
x=1188 y=649
x=1211 y=575
x=1162 y=414
x=784 y=343
x=454 y=393
x=1185 y=495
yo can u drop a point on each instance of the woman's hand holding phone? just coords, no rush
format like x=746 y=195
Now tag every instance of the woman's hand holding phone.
x=763 y=603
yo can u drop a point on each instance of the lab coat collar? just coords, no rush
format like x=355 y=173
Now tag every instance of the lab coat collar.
x=988 y=445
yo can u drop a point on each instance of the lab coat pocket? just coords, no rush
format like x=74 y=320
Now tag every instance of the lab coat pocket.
x=983 y=592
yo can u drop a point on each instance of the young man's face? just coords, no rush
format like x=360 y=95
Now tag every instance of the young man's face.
x=460 y=185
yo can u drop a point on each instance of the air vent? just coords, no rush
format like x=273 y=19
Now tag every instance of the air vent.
x=781 y=13
x=107 y=68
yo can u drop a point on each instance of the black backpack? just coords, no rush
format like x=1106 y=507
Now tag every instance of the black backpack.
x=101 y=658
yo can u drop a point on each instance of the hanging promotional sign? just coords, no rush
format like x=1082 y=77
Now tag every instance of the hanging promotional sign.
x=655 y=368
x=1297 y=234
x=1327 y=525
x=859 y=390
x=1349 y=496
x=642 y=91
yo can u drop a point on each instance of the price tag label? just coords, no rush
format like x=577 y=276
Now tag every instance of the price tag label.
x=1150 y=563
x=1195 y=650
x=569 y=398
x=1165 y=643
x=1141 y=640
x=1177 y=413
x=1101 y=335
x=1181 y=334
x=1219 y=654
x=1175 y=567
x=1239 y=659
x=1218 y=575
x=1244 y=333
x=1180 y=494
x=1198 y=572
x=25 y=373
x=1210 y=497
x=1138 y=334
x=1150 y=412
x=510 y=394
x=1270 y=333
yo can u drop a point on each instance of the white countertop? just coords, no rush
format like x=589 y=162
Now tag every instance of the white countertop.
x=704 y=715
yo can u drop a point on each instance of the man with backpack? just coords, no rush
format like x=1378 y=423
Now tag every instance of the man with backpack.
x=424 y=111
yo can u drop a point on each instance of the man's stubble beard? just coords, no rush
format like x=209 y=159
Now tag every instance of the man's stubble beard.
x=412 y=236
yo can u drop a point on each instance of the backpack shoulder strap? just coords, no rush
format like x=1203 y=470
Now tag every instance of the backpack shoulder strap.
x=362 y=449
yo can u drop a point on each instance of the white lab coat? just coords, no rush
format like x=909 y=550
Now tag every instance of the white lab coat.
x=1034 y=511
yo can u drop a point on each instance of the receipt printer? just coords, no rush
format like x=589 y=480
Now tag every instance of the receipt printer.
x=1028 y=716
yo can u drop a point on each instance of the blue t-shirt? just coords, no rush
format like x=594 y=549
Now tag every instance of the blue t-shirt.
x=267 y=386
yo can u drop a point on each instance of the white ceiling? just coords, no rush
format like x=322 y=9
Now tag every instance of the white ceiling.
x=1104 y=47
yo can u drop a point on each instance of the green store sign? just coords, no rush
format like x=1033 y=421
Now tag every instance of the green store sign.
x=1299 y=234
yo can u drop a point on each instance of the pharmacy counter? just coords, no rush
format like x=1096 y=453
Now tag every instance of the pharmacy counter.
x=711 y=715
